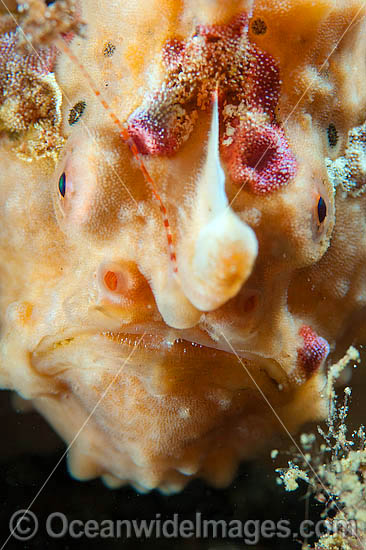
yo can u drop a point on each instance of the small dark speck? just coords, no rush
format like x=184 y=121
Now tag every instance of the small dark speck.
x=76 y=112
x=259 y=26
x=332 y=135
x=109 y=49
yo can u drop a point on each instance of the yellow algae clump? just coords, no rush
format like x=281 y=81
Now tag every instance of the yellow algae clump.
x=187 y=255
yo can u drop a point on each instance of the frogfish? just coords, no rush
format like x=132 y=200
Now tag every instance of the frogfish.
x=182 y=224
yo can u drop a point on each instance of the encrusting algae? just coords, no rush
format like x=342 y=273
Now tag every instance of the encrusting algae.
x=30 y=106
x=182 y=236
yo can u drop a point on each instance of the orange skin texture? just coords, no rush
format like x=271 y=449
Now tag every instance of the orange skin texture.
x=135 y=365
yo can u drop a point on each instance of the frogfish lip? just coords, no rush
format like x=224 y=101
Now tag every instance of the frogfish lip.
x=157 y=403
x=180 y=345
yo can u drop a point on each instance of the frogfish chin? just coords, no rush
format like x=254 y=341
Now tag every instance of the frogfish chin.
x=182 y=237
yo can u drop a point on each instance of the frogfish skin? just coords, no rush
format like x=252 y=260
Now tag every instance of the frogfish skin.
x=182 y=225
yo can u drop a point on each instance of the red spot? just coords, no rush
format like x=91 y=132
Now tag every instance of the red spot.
x=248 y=80
x=194 y=68
x=259 y=156
x=150 y=137
x=263 y=81
x=313 y=352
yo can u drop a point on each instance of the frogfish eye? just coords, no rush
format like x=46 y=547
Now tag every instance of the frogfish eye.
x=62 y=184
x=322 y=209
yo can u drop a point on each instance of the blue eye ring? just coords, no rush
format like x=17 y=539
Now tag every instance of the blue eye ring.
x=62 y=184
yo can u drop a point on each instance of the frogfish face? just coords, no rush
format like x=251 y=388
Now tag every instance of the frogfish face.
x=173 y=286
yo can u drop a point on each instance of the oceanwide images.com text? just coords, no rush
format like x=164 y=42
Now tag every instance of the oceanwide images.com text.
x=24 y=525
